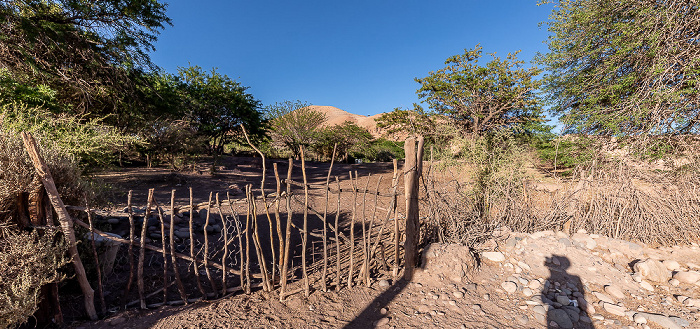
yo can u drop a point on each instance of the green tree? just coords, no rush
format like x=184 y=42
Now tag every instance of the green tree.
x=217 y=105
x=348 y=136
x=480 y=99
x=401 y=122
x=92 y=53
x=625 y=66
x=294 y=124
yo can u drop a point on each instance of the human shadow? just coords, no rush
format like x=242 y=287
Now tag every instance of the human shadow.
x=372 y=313
x=563 y=296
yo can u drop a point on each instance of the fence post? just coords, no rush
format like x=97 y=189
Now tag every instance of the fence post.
x=412 y=169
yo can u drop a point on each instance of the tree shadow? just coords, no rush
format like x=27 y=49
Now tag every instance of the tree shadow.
x=372 y=313
x=563 y=298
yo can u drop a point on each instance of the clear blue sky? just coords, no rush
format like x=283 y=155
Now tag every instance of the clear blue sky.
x=360 y=56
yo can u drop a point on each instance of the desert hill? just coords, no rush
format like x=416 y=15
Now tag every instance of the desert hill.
x=337 y=116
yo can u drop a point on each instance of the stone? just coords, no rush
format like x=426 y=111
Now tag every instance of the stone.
x=523 y=319
x=487 y=296
x=458 y=294
x=680 y=321
x=614 y=291
x=382 y=322
x=383 y=283
x=573 y=315
x=671 y=265
x=117 y=321
x=614 y=309
x=539 y=309
x=584 y=319
x=564 y=300
x=603 y=297
x=646 y=285
x=509 y=286
x=534 y=284
x=182 y=234
x=494 y=256
x=652 y=270
x=527 y=292
x=585 y=305
x=383 y=311
x=565 y=242
x=524 y=266
x=687 y=277
x=113 y=221
x=561 y=318
x=639 y=318
x=662 y=320
x=674 y=282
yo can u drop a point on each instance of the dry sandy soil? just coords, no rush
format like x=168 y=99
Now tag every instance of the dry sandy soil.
x=539 y=280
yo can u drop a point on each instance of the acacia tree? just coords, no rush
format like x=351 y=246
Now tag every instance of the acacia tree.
x=624 y=67
x=401 y=122
x=294 y=124
x=91 y=53
x=348 y=137
x=483 y=98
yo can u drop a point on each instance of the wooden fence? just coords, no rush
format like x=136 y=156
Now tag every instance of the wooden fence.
x=211 y=259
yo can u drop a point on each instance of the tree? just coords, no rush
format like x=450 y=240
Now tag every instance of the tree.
x=480 y=99
x=348 y=136
x=294 y=124
x=91 y=52
x=217 y=105
x=624 y=67
x=401 y=122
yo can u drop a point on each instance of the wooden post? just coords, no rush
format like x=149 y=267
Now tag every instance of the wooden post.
x=369 y=232
x=337 y=239
x=206 y=247
x=142 y=250
x=397 y=234
x=247 y=244
x=305 y=235
x=324 y=284
x=412 y=170
x=178 y=280
x=65 y=220
x=237 y=223
x=365 y=253
x=100 y=294
x=165 y=253
x=352 y=229
x=194 y=264
x=131 y=248
x=278 y=220
x=262 y=264
x=288 y=231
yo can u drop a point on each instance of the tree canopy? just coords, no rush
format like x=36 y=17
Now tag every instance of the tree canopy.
x=625 y=66
x=294 y=124
x=479 y=99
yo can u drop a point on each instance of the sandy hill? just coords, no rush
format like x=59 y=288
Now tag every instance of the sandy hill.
x=337 y=116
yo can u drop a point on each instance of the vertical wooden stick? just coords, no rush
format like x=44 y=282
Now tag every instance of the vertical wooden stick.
x=256 y=242
x=206 y=247
x=397 y=237
x=225 y=255
x=369 y=232
x=247 y=244
x=65 y=220
x=412 y=170
x=100 y=294
x=325 y=230
x=131 y=249
x=365 y=253
x=278 y=220
x=237 y=222
x=173 y=259
x=352 y=229
x=288 y=231
x=165 y=253
x=305 y=235
x=337 y=239
x=142 y=250
x=194 y=264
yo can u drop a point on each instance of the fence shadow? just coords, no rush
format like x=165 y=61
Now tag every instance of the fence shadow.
x=372 y=313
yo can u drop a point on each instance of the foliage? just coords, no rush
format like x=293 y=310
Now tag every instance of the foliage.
x=27 y=262
x=407 y=122
x=172 y=141
x=348 y=136
x=382 y=150
x=566 y=153
x=216 y=105
x=624 y=67
x=294 y=124
x=480 y=99
x=91 y=52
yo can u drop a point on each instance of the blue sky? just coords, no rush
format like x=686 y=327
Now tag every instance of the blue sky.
x=360 y=56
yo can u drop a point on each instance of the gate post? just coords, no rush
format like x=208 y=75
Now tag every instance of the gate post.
x=413 y=167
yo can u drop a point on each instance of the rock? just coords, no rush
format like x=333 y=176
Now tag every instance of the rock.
x=494 y=256
x=585 y=305
x=639 y=318
x=524 y=266
x=614 y=291
x=646 y=285
x=182 y=234
x=383 y=283
x=662 y=320
x=674 y=282
x=383 y=311
x=534 y=284
x=382 y=322
x=117 y=321
x=572 y=313
x=680 y=321
x=561 y=318
x=564 y=300
x=539 y=309
x=565 y=242
x=671 y=265
x=603 y=297
x=614 y=309
x=113 y=221
x=584 y=319
x=509 y=286
x=652 y=270
x=687 y=277
x=527 y=292
x=523 y=319
x=487 y=296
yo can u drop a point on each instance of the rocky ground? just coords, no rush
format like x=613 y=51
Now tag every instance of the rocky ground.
x=538 y=280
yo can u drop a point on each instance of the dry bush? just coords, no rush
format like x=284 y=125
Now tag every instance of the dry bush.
x=27 y=262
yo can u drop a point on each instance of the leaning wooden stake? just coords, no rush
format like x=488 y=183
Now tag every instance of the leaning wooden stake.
x=305 y=235
x=173 y=259
x=142 y=250
x=288 y=231
x=256 y=240
x=194 y=264
x=369 y=233
x=324 y=285
x=337 y=240
x=395 y=182
x=165 y=253
x=247 y=245
x=352 y=229
x=103 y=306
x=412 y=170
x=237 y=222
x=131 y=249
x=65 y=220
x=206 y=246
x=224 y=228
x=278 y=220
x=365 y=253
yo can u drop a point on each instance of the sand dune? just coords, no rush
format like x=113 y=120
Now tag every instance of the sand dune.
x=337 y=116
